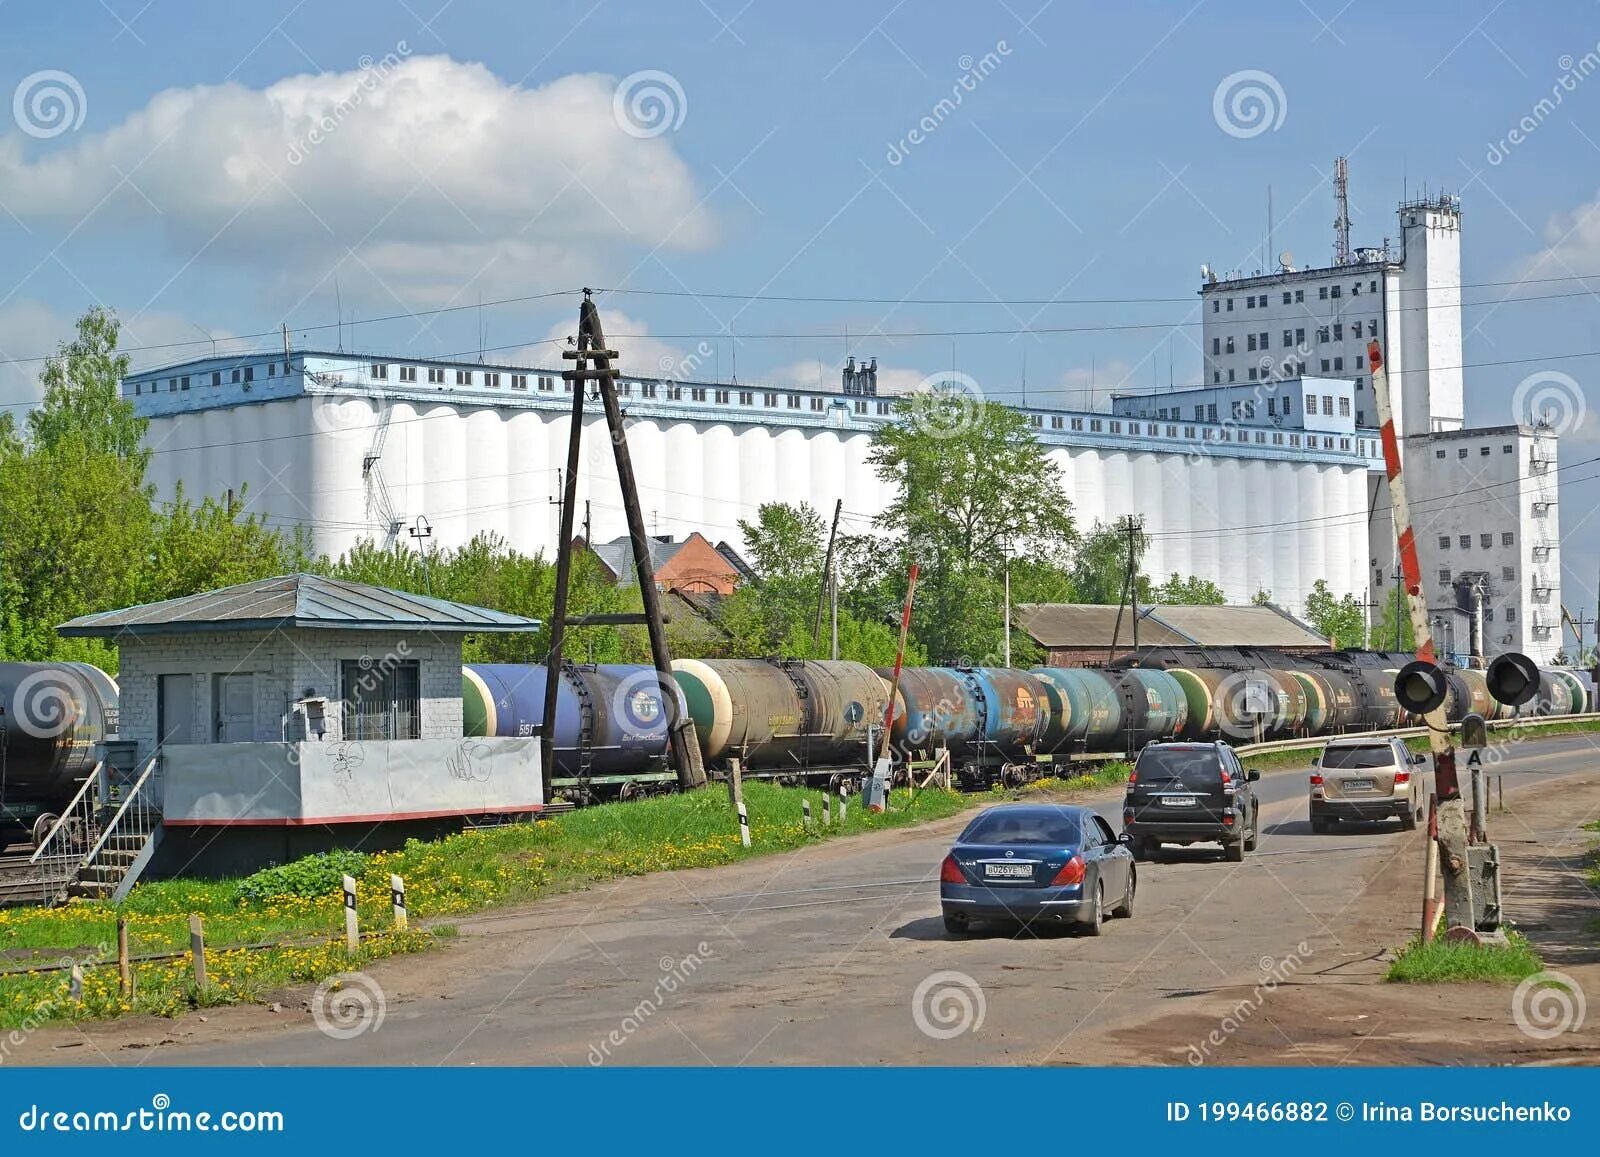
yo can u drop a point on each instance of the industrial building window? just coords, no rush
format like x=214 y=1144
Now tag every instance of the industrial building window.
x=625 y=389
x=172 y=385
x=1486 y=541
x=546 y=382
x=1230 y=344
x=1288 y=337
x=1444 y=574
x=1355 y=290
x=1252 y=377
x=1077 y=423
x=722 y=397
x=1172 y=431
x=435 y=375
x=1322 y=292
x=236 y=375
x=1249 y=409
x=769 y=399
x=861 y=406
x=1230 y=305
x=1055 y=423
x=1230 y=375
x=1372 y=327
x=1287 y=406
x=747 y=397
x=1334 y=291
x=1250 y=302
x=381 y=700
x=1216 y=377
x=1287 y=298
x=1372 y=286
x=1508 y=539
x=379 y=370
x=216 y=378
x=674 y=393
x=1344 y=407
x=1261 y=436
x=463 y=377
x=491 y=380
x=1361 y=361
x=1311 y=403
x=1211 y=412
x=1506 y=449
x=1250 y=342
x=1444 y=542
x=794 y=401
x=1508 y=573
x=1466 y=541
x=520 y=382
x=1116 y=427
x=1483 y=451
x=1511 y=614
x=883 y=407
x=698 y=394
x=1094 y=425
x=1272 y=407
x=1264 y=340
x=1438 y=453
x=1338 y=332
x=1299 y=336
x=1215 y=305
x=1322 y=333
x=1299 y=295
x=1216 y=345
x=1338 y=363
x=408 y=373
x=249 y=373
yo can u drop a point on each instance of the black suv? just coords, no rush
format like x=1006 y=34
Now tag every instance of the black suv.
x=1191 y=793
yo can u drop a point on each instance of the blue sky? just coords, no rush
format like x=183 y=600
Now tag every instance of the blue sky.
x=1087 y=163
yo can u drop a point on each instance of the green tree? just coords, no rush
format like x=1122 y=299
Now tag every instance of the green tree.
x=972 y=487
x=1385 y=616
x=1342 y=619
x=1262 y=598
x=1192 y=591
x=214 y=544
x=1100 y=565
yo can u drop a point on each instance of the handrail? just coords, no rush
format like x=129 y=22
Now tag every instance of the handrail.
x=106 y=832
x=1409 y=732
x=67 y=812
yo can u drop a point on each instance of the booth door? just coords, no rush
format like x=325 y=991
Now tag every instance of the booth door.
x=236 y=708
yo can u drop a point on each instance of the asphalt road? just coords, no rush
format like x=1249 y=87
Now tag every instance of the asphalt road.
x=824 y=956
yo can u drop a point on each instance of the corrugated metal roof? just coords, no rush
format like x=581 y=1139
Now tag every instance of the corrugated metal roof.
x=1091 y=625
x=618 y=556
x=1252 y=626
x=1088 y=625
x=297 y=600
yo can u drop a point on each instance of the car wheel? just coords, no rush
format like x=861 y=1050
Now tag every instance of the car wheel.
x=1254 y=838
x=1097 y=918
x=1408 y=821
x=1319 y=826
x=956 y=925
x=1234 y=852
x=1144 y=849
x=1125 y=909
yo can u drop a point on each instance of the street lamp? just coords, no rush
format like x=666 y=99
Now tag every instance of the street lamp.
x=422 y=530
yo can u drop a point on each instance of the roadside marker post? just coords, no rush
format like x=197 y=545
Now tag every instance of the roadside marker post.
x=197 y=947
x=827 y=809
x=76 y=988
x=735 y=783
x=805 y=814
x=843 y=805
x=352 y=927
x=124 y=967
x=397 y=893
x=744 y=825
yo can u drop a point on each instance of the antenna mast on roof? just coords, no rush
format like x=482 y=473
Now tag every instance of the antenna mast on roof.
x=1341 y=222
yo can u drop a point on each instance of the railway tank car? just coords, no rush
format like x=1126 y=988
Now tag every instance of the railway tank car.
x=611 y=720
x=988 y=718
x=783 y=717
x=52 y=717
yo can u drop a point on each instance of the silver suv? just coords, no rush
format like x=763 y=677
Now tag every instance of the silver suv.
x=1367 y=779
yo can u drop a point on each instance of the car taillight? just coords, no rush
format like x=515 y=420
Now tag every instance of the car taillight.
x=1402 y=777
x=1071 y=872
x=950 y=872
x=1133 y=777
x=1226 y=779
x=1316 y=781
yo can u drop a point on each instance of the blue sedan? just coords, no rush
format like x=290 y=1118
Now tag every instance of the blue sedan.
x=1036 y=863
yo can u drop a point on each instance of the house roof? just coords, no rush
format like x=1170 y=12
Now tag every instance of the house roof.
x=1091 y=625
x=297 y=600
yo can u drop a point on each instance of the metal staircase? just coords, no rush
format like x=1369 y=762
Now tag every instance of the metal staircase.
x=1540 y=458
x=103 y=841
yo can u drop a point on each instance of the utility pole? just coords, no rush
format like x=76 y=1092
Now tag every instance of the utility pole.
x=422 y=530
x=1134 y=528
x=681 y=738
x=827 y=572
x=588 y=527
x=833 y=601
x=1005 y=624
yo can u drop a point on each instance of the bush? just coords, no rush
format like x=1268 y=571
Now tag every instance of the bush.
x=309 y=878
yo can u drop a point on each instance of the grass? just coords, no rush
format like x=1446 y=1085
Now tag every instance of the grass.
x=1113 y=773
x=458 y=874
x=1449 y=961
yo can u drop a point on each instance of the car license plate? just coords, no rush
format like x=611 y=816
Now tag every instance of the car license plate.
x=1008 y=871
x=1178 y=801
x=1359 y=784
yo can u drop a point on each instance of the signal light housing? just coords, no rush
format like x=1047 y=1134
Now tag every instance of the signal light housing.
x=1512 y=678
x=1420 y=687
x=950 y=872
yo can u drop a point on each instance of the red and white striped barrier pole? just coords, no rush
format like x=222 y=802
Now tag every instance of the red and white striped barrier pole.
x=1448 y=824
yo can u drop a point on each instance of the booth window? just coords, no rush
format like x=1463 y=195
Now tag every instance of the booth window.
x=381 y=700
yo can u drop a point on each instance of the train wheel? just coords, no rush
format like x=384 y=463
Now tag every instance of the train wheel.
x=42 y=826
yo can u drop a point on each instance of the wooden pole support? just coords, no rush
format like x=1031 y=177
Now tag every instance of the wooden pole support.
x=397 y=894
x=197 y=947
x=735 y=783
x=124 y=966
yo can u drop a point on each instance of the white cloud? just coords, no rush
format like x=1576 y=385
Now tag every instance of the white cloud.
x=638 y=354
x=811 y=374
x=1090 y=388
x=1572 y=244
x=414 y=179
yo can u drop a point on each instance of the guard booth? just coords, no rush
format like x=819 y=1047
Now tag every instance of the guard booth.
x=272 y=719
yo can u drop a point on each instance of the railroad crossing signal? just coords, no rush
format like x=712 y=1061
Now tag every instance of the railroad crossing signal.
x=1474 y=737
